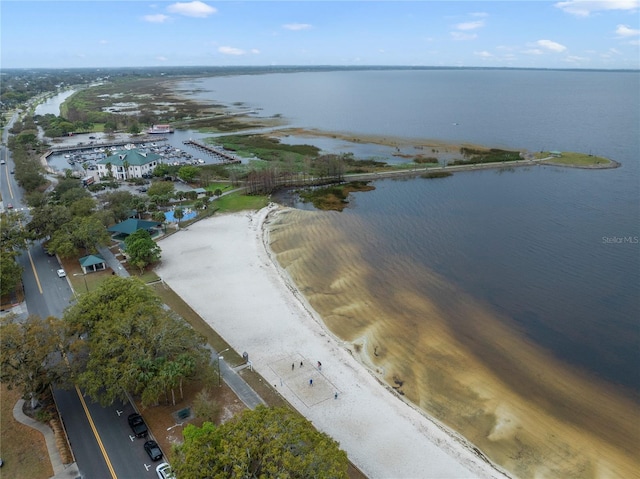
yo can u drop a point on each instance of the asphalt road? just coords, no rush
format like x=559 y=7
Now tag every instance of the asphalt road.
x=101 y=439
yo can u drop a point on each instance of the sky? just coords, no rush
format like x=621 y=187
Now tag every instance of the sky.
x=601 y=34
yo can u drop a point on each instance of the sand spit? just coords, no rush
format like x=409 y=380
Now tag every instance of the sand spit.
x=221 y=267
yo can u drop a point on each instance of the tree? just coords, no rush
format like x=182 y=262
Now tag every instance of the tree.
x=178 y=213
x=141 y=249
x=160 y=217
x=10 y=273
x=125 y=167
x=264 y=442
x=27 y=354
x=133 y=344
x=120 y=203
x=12 y=241
x=47 y=219
x=80 y=233
x=83 y=207
x=188 y=173
x=161 y=188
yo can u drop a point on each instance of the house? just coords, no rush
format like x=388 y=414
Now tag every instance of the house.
x=92 y=263
x=127 y=164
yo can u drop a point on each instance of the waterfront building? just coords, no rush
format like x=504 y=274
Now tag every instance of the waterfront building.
x=130 y=163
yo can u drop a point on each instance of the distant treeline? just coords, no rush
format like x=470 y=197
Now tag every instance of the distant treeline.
x=494 y=155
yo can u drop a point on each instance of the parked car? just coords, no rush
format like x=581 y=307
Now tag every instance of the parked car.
x=153 y=450
x=61 y=273
x=164 y=471
x=137 y=425
x=9 y=206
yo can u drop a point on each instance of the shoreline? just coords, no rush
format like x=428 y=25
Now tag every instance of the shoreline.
x=384 y=435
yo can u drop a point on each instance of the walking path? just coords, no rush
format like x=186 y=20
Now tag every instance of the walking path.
x=60 y=470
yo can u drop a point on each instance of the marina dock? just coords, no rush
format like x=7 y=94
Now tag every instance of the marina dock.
x=216 y=151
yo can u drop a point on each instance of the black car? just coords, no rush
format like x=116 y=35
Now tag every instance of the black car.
x=138 y=426
x=153 y=450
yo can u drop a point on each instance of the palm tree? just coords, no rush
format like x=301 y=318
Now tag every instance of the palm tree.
x=126 y=165
x=178 y=214
x=160 y=218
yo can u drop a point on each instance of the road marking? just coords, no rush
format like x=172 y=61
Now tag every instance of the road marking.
x=95 y=433
x=9 y=181
x=35 y=273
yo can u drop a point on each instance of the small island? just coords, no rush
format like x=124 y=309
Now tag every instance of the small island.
x=575 y=160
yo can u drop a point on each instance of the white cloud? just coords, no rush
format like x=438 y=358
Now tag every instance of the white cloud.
x=626 y=31
x=576 y=59
x=463 y=36
x=156 y=18
x=162 y=59
x=470 y=25
x=584 y=8
x=231 y=51
x=103 y=42
x=479 y=14
x=296 y=26
x=551 y=45
x=192 y=9
x=533 y=51
x=483 y=54
x=255 y=51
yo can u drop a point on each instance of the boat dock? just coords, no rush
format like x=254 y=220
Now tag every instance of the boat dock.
x=106 y=144
x=216 y=151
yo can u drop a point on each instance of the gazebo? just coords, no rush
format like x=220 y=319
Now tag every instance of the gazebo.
x=92 y=263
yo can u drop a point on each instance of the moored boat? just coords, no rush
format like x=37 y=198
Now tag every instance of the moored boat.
x=160 y=129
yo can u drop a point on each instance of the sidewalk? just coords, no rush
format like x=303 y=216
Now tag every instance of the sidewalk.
x=60 y=470
x=245 y=393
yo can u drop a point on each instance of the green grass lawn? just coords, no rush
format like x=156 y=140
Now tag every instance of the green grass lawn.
x=238 y=202
x=576 y=159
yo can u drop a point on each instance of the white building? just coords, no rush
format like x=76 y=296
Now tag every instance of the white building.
x=127 y=164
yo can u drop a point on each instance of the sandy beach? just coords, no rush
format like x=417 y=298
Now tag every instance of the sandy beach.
x=222 y=267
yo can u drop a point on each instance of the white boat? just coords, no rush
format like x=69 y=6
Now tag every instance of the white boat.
x=160 y=129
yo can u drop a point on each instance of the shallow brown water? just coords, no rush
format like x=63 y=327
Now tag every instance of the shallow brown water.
x=456 y=359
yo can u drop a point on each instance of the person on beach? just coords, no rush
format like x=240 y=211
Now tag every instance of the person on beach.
x=310 y=382
x=300 y=363
x=335 y=396
x=293 y=366
x=319 y=366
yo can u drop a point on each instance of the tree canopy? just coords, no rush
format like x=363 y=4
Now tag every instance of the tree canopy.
x=132 y=343
x=12 y=241
x=141 y=249
x=27 y=353
x=260 y=443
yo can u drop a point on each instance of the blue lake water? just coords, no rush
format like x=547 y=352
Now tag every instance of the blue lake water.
x=543 y=232
x=518 y=287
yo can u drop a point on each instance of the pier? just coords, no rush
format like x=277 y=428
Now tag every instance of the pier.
x=218 y=152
